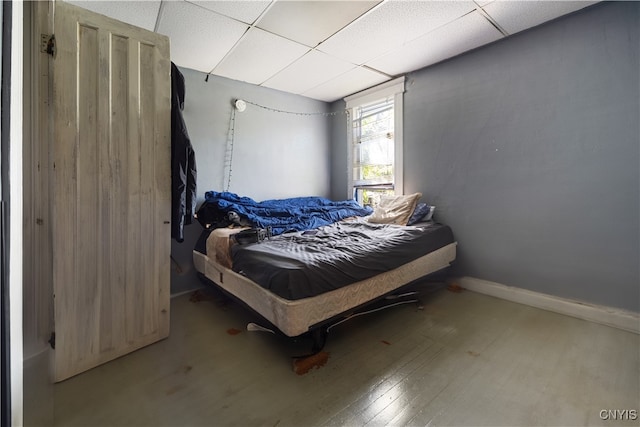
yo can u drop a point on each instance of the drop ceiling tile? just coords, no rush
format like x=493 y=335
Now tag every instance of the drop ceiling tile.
x=199 y=38
x=391 y=25
x=246 y=11
x=308 y=72
x=515 y=16
x=353 y=81
x=461 y=35
x=310 y=22
x=258 y=56
x=142 y=14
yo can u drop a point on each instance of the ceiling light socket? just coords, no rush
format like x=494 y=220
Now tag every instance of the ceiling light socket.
x=240 y=105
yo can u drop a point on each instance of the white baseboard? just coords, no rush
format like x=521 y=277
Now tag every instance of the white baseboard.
x=188 y=291
x=610 y=316
x=30 y=358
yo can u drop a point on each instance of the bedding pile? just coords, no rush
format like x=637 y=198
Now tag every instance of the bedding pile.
x=281 y=215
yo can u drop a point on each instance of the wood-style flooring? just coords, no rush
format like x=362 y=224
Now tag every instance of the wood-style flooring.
x=463 y=359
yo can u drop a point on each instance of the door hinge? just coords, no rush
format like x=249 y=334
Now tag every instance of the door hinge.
x=52 y=340
x=48 y=44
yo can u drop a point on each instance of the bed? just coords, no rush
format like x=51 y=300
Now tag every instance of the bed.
x=311 y=270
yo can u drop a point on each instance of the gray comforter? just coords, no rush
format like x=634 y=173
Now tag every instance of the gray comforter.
x=304 y=264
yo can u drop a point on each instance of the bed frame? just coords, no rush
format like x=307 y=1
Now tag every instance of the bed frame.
x=316 y=315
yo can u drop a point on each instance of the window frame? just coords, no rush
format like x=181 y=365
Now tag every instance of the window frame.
x=391 y=89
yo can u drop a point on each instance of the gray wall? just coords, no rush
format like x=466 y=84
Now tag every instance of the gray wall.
x=275 y=155
x=339 y=155
x=529 y=148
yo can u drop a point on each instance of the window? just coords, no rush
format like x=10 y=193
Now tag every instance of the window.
x=375 y=142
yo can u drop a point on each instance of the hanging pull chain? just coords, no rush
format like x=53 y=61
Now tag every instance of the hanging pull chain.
x=228 y=158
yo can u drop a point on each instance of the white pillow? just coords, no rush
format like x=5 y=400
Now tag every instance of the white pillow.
x=395 y=209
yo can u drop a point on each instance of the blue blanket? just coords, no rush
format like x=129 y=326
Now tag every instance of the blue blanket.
x=282 y=215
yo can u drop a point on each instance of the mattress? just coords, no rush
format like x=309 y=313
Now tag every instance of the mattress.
x=295 y=317
x=305 y=264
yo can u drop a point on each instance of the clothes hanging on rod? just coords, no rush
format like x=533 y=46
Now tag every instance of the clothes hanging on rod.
x=183 y=161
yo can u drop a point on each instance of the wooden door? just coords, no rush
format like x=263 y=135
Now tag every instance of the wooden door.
x=111 y=190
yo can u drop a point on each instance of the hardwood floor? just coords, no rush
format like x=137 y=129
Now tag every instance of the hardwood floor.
x=465 y=359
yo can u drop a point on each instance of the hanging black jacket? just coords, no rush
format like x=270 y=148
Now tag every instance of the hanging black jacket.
x=183 y=161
